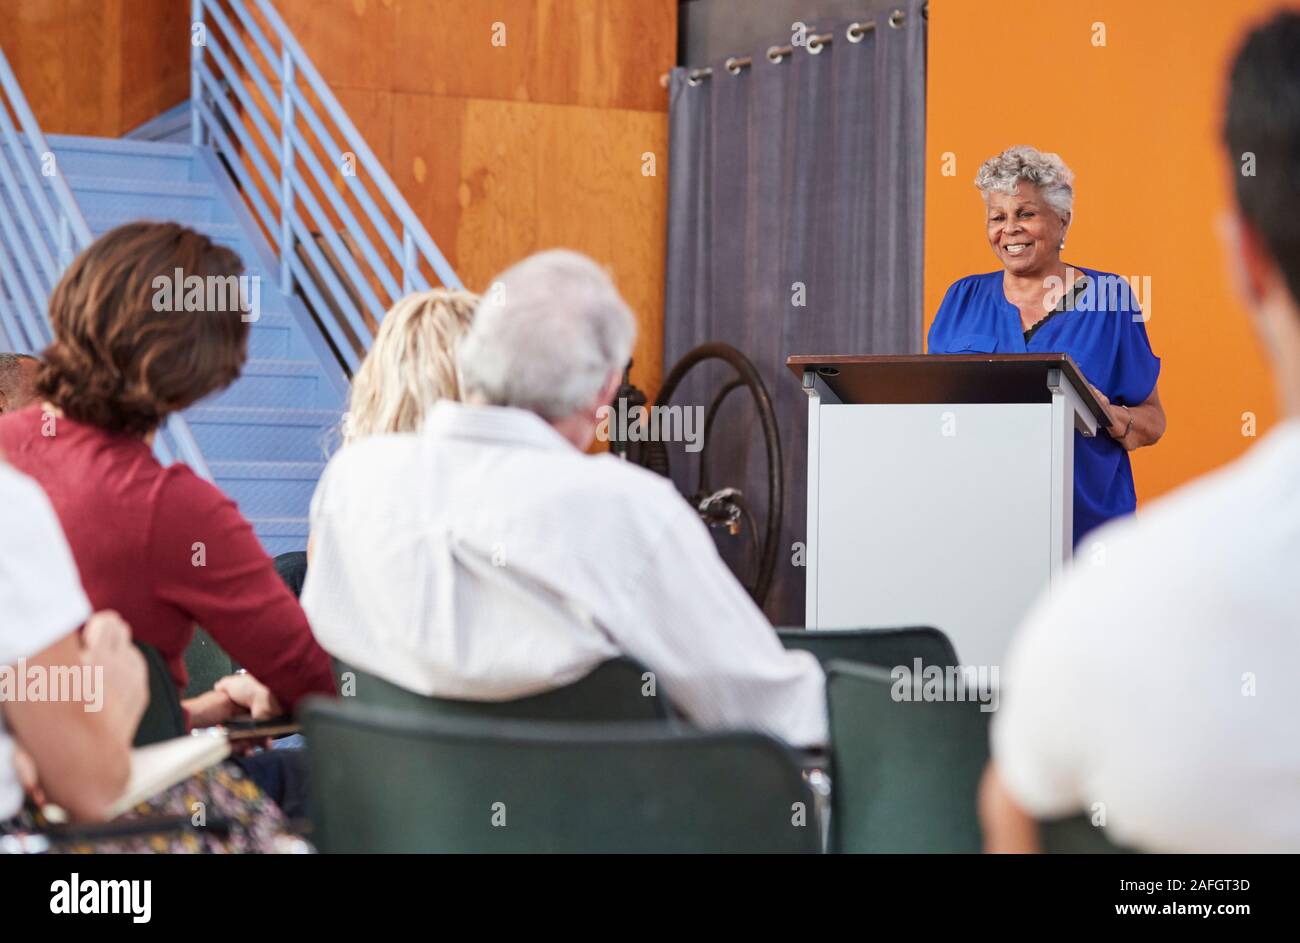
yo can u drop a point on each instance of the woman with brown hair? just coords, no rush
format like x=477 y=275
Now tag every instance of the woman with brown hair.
x=159 y=545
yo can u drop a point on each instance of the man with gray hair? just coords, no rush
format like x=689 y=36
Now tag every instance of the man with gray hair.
x=488 y=557
x=17 y=381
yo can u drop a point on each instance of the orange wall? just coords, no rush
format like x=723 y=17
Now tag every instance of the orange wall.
x=505 y=150
x=1137 y=122
x=97 y=67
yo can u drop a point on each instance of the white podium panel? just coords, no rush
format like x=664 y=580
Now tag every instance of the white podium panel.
x=940 y=489
x=933 y=514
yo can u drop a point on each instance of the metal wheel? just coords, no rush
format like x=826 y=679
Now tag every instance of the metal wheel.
x=722 y=505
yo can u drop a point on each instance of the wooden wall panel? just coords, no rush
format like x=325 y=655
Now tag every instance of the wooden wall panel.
x=497 y=181
x=600 y=53
x=506 y=150
x=155 y=44
x=352 y=42
x=97 y=67
x=92 y=57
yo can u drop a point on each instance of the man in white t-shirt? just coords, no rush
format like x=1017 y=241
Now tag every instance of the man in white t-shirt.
x=76 y=750
x=1156 y=692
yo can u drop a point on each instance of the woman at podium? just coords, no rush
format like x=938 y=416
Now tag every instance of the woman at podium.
x=1037 y=303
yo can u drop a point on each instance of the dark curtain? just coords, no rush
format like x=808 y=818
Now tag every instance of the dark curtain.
x=793 y=181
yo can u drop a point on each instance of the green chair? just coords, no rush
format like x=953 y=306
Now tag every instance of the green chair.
x=1076 y=835
x=615 y=690
x=385 y=780
x=205 y=663
x=163 y=717
x=884 y=647
x=904 y=774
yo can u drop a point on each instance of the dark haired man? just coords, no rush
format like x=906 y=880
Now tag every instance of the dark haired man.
x=1155 y=692
x=17 y=381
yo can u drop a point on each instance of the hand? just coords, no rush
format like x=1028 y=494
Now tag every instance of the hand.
x=1113 y=413
x=106 y=645
x=209 y=709
x=247 y=692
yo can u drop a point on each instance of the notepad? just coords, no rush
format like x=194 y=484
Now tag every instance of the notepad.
x=160 y=766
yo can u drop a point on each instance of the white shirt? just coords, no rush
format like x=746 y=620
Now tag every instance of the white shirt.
x=486 y=558
x=1161 y=679
x=41 y=599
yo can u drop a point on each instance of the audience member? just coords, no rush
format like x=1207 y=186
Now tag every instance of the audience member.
x=161 y=546
x=411 y=364
x=489 y=557
x=75 y=748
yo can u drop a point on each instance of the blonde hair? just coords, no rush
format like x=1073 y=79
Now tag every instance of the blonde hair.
x=411 y=365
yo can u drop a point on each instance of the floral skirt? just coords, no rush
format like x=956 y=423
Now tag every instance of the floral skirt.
x=224 y=813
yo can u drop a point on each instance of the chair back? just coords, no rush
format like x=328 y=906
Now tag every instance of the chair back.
x=883 y=647
x=616 y=690
x=163 y=717
x=905 y=773
x=205 y=662
x=386 y=780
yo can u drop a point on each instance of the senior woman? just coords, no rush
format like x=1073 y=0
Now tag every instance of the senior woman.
x=1037 y=303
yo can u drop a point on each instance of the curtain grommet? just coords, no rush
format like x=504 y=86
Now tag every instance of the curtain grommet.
x=815 y=46
x=856 y=32
x=896 y=19
x=774 y=54
x=734 y=65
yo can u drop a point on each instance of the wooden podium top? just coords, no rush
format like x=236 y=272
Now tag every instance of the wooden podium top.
x=945 y=378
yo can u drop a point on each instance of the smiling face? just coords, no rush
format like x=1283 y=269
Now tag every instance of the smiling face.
x=1024 y=230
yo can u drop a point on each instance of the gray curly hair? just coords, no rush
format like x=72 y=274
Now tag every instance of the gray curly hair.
x=1048 y=172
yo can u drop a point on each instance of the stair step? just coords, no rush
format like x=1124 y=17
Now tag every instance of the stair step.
x=281 y=534
x=282 y=525
x=269 y=489
x=123 y=199
x=297 y=471
x=274 y=367
x=254 y=433
x=263 y=416
x=275 y=337
x=295 y=383
x=119 y=145
x=108 y=157
x=224 y=233
x=187 y=188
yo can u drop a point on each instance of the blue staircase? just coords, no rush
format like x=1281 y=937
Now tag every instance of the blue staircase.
x=266 y=437
x=252 y=178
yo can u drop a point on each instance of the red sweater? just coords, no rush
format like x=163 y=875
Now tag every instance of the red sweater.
x=166 y=549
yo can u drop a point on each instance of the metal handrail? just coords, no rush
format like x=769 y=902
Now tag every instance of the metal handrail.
x=52 y=232
x=280 y=152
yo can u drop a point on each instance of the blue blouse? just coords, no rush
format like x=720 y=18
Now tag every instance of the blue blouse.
x=1105 y=334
